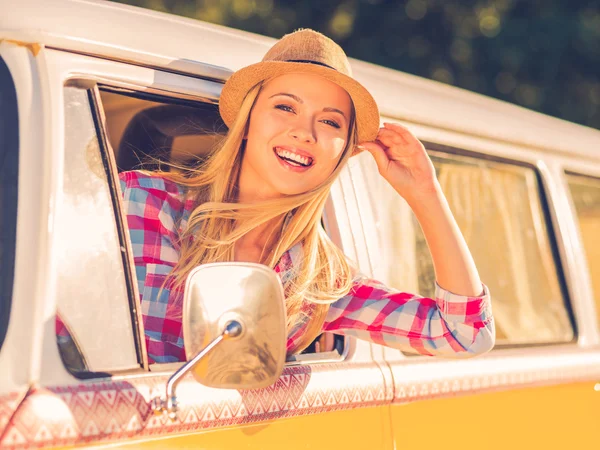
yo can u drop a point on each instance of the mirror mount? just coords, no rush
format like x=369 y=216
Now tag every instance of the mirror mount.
x=168 y=405
x=234 y=323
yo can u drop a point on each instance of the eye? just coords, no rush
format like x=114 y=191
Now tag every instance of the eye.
x=283 y=107
x=332 y=123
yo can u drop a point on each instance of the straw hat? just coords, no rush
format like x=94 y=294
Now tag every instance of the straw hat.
x=304 y=51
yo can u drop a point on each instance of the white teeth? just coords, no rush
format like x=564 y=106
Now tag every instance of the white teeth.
x=293 y=156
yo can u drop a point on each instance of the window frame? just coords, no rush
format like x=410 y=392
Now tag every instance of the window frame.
x=90 y=86
x=555 y=239
x=108 y=158
x=332 y=229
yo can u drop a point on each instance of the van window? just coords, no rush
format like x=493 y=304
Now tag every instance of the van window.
x=148 y=131
x=500 y=210
x=9 y=182
x=95 y=331
x=585 y=192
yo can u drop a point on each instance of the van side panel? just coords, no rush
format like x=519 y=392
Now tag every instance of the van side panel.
x=560 y=416
x=363 y=428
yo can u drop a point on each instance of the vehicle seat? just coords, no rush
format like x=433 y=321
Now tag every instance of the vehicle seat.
x=169 y=133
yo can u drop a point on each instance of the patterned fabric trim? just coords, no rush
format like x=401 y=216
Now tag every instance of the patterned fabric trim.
x=120 y=410
x=114 y=411
x=8 y=405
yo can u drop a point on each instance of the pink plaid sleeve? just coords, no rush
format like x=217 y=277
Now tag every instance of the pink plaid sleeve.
x=450 y=325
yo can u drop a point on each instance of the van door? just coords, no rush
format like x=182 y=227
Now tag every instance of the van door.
x=96 y=378
x=536 y=388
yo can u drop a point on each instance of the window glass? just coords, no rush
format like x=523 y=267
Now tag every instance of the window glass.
x=585 y=192
x=498 y=207
x=94 y=320
x=9 y=172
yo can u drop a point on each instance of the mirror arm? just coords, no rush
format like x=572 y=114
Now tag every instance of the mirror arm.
x=232 y=329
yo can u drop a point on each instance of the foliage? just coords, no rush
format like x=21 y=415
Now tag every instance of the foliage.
x=542 y=54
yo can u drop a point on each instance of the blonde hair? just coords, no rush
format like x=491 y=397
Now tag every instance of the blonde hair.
x=219 y=221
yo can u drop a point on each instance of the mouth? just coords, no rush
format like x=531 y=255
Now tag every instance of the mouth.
x=293 y=159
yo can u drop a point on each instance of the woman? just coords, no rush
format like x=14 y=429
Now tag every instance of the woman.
x=294 y=121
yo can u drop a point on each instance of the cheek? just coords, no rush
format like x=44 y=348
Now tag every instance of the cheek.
x=335 y=149
x=338 y=145
x=330 y=158
x=258 y=135
x=265 y=129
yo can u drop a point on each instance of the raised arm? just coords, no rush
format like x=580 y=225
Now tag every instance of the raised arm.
x=402 y=160
x=458 y=321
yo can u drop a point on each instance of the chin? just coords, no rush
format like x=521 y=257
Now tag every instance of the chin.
x=285 y=188
x=290 y=190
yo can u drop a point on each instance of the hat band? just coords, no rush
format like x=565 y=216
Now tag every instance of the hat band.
x=308 y=61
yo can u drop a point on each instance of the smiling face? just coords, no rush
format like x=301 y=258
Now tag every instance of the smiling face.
x=297 y=132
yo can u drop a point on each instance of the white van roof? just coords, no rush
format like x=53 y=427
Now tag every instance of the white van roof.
x=126 y=33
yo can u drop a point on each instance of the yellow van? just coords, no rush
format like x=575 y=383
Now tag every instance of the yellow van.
x=89 y=89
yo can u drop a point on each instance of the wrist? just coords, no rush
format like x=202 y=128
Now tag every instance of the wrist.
x=425 y=196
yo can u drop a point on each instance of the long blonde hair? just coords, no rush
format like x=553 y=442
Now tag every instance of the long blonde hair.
x=219 y=221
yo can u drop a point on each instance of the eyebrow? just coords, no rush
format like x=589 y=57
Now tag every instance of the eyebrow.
x=299 y=100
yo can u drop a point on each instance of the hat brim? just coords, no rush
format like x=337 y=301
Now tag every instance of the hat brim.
x=237 y=86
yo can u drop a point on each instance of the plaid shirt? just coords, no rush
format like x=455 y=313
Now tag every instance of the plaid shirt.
x=449 y=325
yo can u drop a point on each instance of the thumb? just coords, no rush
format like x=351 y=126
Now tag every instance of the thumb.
x=378 y=153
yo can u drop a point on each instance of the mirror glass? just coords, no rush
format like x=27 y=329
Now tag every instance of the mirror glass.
x=251 y=294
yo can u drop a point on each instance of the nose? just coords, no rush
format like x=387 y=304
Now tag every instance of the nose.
x=303 y=133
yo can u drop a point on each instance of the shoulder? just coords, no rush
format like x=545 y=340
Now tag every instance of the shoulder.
x=152 y=183
x=152 y=196
x=138 y=185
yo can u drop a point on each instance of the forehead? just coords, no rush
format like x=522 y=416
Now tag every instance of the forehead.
x=310 y=88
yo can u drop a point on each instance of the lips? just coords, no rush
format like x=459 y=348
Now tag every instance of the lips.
x=294 y=158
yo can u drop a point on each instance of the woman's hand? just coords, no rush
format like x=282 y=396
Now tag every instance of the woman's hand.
x=403 y=162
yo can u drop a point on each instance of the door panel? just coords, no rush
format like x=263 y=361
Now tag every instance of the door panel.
x=561 y=416
x=363 y=428
x=521 y=398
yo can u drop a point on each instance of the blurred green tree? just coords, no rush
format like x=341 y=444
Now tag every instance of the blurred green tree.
x=541 y=54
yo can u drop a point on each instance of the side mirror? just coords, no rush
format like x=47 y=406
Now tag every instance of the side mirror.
x=234 y=329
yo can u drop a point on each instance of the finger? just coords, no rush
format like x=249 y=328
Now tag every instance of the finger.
x=399 y=137
x=392 y=143
x=378 y=153
x=396 y=126
x=402 y=131
x=390 y=137
x=370 y=145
